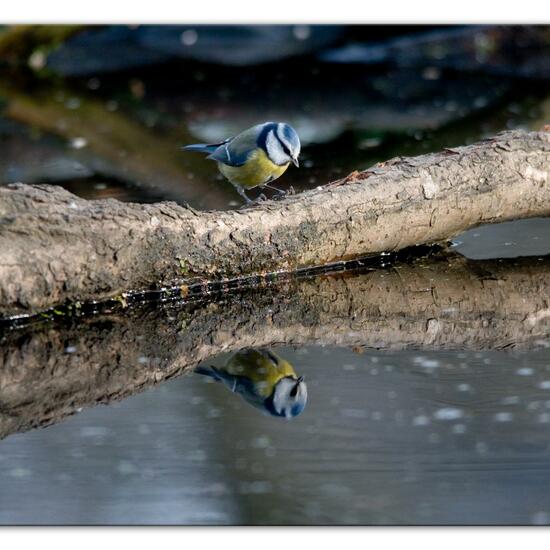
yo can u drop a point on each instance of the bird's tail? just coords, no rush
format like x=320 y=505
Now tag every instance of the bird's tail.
x=200 y=148
x=204 y=147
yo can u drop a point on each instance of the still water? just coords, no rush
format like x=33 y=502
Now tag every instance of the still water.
x=386 y=437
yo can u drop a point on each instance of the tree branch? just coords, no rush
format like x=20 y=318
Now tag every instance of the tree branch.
x=56 y=247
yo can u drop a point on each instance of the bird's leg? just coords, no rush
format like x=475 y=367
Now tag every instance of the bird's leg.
x=274 y=188
x=241 y=192
x=281 y=192
x=249 y=202
x=257 y=200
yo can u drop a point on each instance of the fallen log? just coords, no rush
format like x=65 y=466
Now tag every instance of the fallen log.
x=50 y=371
x=56 y=247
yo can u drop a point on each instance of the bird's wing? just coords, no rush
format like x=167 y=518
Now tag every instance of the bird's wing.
x=236 y=151
x=237 y=384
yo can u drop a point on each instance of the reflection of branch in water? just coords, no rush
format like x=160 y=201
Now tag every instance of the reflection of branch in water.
x=263 y=379
x=117 y=146
x=50 y=372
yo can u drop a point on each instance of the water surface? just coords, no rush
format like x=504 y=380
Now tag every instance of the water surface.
x=394 y=431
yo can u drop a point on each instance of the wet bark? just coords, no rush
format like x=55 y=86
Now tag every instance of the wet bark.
x=55 y=247
x=50 y=371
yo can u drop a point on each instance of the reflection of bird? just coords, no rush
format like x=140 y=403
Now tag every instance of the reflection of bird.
x=255 y=157
x=264 y=379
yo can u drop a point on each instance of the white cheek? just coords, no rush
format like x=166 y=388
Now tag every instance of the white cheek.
x=275 y=150
x=280 y=133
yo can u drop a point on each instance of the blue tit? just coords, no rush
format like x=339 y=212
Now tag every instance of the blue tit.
x=263 y=379
x=255 y=157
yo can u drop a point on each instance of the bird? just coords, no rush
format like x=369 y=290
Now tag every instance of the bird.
x=265 y=380
x=255 y=157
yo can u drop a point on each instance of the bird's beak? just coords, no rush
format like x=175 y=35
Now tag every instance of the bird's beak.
x=295 y=162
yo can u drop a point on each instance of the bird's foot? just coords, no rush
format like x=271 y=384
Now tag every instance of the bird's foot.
x=241 y=192
x=257 y=200
x=280 y=192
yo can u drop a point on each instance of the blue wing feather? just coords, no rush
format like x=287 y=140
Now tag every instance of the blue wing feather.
x=236 y=383
x=235 y=151
x=220 y=152
x=231 y=155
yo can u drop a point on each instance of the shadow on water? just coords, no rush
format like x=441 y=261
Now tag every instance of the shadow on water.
x=412 y=393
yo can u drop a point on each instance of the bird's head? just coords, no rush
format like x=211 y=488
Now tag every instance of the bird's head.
x=282 y=143
x=289 y=397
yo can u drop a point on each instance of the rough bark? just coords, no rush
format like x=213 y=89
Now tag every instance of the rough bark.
x=56 y=247
x=51 y=371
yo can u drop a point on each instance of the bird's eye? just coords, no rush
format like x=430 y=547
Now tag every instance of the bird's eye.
x=294 y=391
x=284 y=146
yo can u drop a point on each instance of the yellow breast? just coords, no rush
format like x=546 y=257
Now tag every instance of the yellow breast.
x=259 y=370
x=258 y=170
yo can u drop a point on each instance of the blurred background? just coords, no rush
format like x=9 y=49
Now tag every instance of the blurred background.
x=386 y=437
x=103 y=110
